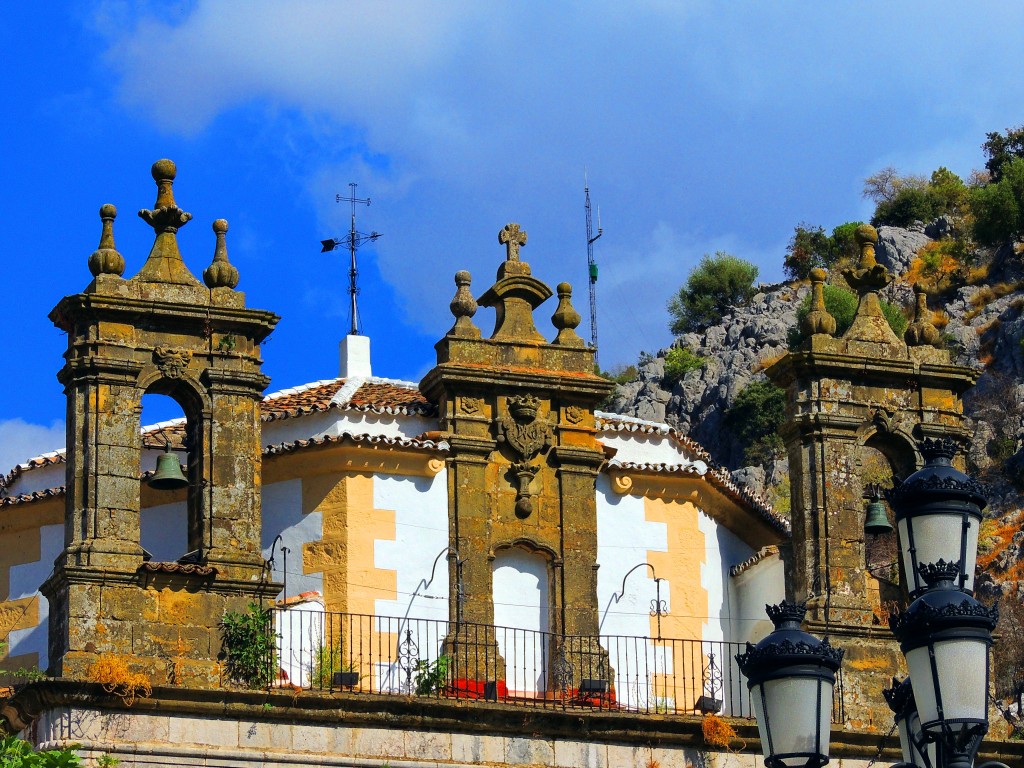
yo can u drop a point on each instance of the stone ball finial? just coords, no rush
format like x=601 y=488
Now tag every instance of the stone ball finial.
x=221 y=273
x=463 y=306
x=922 y=332
x=566 y=318
x=818 y=320
x=106 y=260
x=166 y=216
x=164 y=169
x=865 y=233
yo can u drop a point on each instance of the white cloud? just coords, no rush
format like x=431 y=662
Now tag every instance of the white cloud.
x=21 y=440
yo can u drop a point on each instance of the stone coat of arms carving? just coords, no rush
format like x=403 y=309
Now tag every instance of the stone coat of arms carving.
x=521 y=430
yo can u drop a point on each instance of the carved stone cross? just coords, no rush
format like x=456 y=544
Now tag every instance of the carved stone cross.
x=512 y=238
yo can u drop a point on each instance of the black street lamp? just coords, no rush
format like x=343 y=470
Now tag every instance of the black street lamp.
x=945 y=635
x=938 y=515
x=941 y=709
x=791 y=675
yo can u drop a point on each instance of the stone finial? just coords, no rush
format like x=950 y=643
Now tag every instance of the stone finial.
x=818 y=320
x=463 y=306
x=867 y=278
x=221 y=273
x=106 y=260
x=921 y=332
x=164 y=264
x=868 y=275
x=566 y=318
x=166 y=216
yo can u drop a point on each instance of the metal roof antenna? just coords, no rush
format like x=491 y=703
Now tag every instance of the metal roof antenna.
x=592 y=265
x=354 y=240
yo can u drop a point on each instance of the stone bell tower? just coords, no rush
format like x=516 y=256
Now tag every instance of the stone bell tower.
x=518 y=413
x=855 y=404
x=160 y=332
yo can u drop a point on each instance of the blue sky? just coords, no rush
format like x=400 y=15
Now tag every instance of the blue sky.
x=703 y=126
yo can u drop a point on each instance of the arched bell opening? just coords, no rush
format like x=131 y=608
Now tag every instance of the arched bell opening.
x=170 y=509
x=882 y=458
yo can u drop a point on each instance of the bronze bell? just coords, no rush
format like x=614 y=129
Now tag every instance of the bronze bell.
x=168 y=475
x=876 y=521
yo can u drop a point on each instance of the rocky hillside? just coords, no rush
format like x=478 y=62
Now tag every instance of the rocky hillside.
x=983 y=326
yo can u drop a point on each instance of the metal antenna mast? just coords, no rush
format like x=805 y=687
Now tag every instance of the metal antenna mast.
x=354 y=239
x=592 y=265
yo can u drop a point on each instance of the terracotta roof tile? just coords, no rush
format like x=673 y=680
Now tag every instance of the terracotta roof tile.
x=617 y=422
x=753 y=560
x=401 y=442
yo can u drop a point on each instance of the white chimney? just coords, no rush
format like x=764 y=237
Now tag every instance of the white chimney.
x=355 y=357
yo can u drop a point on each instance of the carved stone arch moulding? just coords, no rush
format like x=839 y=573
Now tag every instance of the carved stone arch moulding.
x=183 y=388
x=898 y=446
x=526 y=544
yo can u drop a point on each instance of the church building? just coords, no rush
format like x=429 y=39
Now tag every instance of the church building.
x=487 y=538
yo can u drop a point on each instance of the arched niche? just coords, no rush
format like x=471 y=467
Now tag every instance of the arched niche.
x=522 y=597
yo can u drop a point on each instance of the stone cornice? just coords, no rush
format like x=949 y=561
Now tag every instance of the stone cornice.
x=893 y=373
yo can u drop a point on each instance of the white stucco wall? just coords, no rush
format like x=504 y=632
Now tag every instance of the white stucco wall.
x=282 y=514
x=336 y=422
x=37 y=479
x=164 y=531
x=420 y=505
x=522 y=611
x=761 y=584
x=624 y=538
x=25 y=581
x=724 y=549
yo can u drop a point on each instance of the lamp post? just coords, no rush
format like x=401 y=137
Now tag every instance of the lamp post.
x=945 y=635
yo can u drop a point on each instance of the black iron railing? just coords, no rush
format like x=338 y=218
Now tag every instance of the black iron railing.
x=390 y=655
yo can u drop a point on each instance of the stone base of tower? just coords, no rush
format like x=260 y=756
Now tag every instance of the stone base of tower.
x=165 y=625
x=872 y=657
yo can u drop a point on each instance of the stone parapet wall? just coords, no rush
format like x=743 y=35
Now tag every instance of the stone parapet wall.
x=222 y=728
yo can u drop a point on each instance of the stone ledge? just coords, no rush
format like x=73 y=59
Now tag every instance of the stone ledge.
x=318 y=716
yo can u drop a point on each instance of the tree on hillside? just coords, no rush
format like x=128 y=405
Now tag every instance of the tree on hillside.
x=1000 y=149
x=810 y=247
x=882 y=187
x=716 y=284
x=755 y=417
x=999 y=207
x=902 y=200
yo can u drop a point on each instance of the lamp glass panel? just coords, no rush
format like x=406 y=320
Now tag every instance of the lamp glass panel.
x=905 y=746
x=962 y=666
x=762 y=724
x=930 y=749
x=937 y=537
x=919 y=665
x=796 y=725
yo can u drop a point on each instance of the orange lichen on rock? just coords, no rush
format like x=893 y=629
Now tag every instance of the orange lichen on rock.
x=111 y=671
